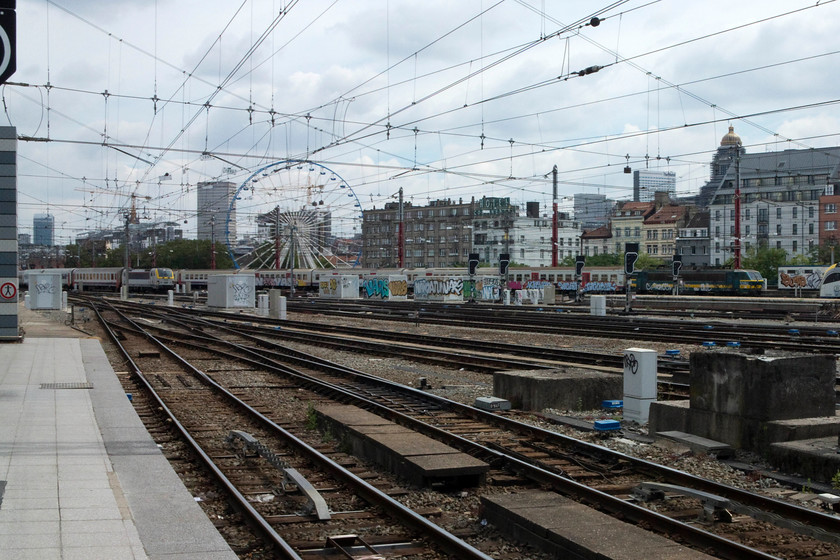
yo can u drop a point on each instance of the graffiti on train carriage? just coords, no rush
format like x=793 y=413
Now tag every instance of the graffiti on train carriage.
x=600 y=287
x=810 y=281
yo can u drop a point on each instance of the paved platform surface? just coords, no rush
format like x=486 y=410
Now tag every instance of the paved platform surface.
x=80 y=478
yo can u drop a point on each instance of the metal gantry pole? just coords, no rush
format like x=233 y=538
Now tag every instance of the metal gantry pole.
x=554 y=236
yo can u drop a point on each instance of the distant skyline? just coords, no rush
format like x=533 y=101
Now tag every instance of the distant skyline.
x=444 y=100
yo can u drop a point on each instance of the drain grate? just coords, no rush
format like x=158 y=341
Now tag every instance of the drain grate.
x=84 y=385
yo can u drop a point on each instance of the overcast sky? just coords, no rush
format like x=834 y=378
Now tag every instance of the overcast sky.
x=444 y=99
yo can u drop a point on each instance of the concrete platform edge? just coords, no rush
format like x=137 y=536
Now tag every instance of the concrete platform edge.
x=170 y=523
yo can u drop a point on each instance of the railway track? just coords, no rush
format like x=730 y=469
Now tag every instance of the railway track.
x=753 y=336
x=279 y=482
x=590 y=474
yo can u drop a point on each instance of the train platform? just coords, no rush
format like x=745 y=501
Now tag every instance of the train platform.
x=80 y=477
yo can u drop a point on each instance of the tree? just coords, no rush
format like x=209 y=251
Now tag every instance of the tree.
x=765 y=260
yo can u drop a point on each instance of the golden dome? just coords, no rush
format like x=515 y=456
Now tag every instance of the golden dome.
x=730 y=138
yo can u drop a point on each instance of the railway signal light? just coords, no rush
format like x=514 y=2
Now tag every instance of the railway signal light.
x=580 y=261
x=631 y=254
x=473 y=262
x=676 y=265
x=504 y=262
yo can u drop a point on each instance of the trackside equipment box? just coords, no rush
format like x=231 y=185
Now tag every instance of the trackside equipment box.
x=231 y=290
x=44 y=290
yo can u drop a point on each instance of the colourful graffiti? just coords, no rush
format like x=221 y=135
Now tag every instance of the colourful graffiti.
x=433 y=288
x=376 y=287
x=599 y=287
x=328 y=288
x=398 y=287
x=537 y=284
x=810 y=281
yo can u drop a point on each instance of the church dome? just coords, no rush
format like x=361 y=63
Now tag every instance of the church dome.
x=730 y=138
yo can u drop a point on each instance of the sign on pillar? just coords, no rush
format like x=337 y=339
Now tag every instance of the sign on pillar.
x=639 y=383
x=8 y=234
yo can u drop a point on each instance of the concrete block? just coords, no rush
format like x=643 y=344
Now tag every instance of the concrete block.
x=8 y=145
x=8 y=257
x=9 y=332
x=7 y=157
x=761 y=387
x=8 y=132
x=8 y=232
x=9 y=322
x=8 y=197
x=8 y=246
x=8 y=183
x=565 y=388
x=668 y=416
x=799 y=429
x=816 y=459
x=8 y=170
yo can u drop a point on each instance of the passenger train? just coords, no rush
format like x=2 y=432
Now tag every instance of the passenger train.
x=594 y=280
x=107 y=279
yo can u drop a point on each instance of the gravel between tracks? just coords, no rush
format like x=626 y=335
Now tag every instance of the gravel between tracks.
x=464 y=386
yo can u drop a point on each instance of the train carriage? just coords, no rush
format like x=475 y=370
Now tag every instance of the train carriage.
x=705 y=281
x=830 y=285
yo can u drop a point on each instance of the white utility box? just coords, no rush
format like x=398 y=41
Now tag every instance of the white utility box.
x=397 y=287
x=231 y=290
x=639 y=383
x=44 y=290
x=339 y=287
x=598 y=305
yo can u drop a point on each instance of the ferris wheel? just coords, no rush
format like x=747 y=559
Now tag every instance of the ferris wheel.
x=294 y=214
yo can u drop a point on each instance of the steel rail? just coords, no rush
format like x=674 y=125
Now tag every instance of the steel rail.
x=446 y=540
x=827 y=522
x=728 y=549
x=241 y=501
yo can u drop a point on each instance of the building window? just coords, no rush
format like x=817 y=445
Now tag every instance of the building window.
x=810 y=211
x=637 y=232
x=778 y=229
x=794 y=212
x=778 y=244
x=830 y=226
x=618 y=232
x=811 y=229
x=747 y=230
x=795 y=229
x=732 y=214
x=778 y=213
x=831 y=208
x=794 y=245
x=521 y=253
x=747 y=213
x=717 y=215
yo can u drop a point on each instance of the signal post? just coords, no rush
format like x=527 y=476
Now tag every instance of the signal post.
x=631 y=254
